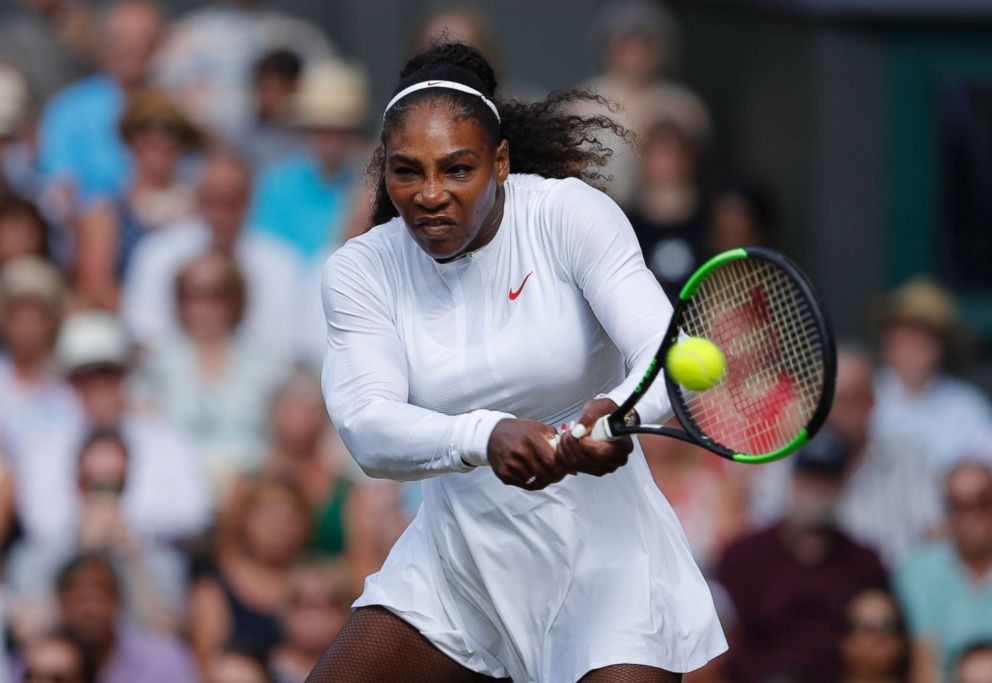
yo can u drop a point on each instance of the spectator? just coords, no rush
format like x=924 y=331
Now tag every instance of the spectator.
x=917 y=398
x=158 y=136
x=235 y=666
x=212 y=382
x=154 y=575
x=166 y=497
x=269 y=139
x=456 y=21
x=51 y=42
x=946 y=586
x=889 y=500
x=207 y=60
x=22 y=230
x=740 y=216
x=975 y=664
x=306 y=200
x=668 y=212
x=270 y=269
x=19 y=174
x=56 y=657
x=788 y=583
x=641 y=47
x=32 y=298
x=81 y=149
x=90 y=606
x=317 y=605
x=238 y=603
x=875 y=646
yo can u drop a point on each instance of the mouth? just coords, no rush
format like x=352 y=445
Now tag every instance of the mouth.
x=435 y=227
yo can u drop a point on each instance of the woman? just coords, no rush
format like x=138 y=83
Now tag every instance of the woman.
x=317 y=604
x=875 y=646
x=158 y=135
x=483 y=310
x=214 y=383
x=237 y=605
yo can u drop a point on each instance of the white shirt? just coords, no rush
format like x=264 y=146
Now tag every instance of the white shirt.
x=946 y=420
x=424 y=358
x=271 y=273
x=165 y=496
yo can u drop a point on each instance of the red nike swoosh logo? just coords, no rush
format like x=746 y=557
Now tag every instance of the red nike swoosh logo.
x=514 y=295
x=430 y=83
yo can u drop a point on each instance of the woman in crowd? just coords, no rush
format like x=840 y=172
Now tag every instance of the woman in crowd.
x=214 y=383
x=875 y=646
x=159 y=136
x=318 y=603
x=238 y=602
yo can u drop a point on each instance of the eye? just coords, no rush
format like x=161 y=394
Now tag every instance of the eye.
x=403 y=171
x=460 y=170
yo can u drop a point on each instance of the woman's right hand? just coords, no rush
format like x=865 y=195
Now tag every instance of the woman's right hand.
x=520 y=451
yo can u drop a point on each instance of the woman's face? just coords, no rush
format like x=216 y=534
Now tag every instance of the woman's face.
x=872 y=645
x=157 y=153
x=914 y=351
x=206 y=301
x=298 y=418
x=313 y=616
x=275 y=529
x=442 y=174
x=20 y=235
x=28 y=328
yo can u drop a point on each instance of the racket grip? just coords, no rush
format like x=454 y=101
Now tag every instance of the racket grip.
x=600 y=432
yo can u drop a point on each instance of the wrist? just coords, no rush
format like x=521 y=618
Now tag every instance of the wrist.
x=471 y=437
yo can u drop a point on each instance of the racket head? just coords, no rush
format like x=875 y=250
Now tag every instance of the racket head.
x=764 y=314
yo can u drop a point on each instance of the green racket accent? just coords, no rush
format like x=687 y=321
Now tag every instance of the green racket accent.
x=648 y=375
x=793 y=445
x=704 y=270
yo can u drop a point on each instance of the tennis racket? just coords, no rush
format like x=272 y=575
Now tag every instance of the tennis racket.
x=760 y=309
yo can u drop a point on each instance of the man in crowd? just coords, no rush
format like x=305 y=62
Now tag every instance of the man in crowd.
x=81 y=150
x=167 y=496
x=946 y=587
x=270 y=269
x=888 y=500
x=89 y=596
x=789 y=583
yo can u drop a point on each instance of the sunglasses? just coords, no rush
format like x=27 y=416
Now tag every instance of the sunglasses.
x=888 y=627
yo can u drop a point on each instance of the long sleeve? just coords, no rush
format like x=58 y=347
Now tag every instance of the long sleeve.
x=366 y=388
x=600 y=249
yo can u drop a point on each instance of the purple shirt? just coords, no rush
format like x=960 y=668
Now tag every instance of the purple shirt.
x=790 y=615
x=144 y=657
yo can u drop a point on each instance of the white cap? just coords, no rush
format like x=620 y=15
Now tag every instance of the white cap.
x=92 y=338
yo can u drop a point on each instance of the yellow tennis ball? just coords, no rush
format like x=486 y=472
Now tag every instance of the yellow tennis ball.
x=696 y=363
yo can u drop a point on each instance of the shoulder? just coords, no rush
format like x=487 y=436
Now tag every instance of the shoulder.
x=81 y=93
x=170 y=245
x=374 y=249
x=268 y=254
x=960 y=391
x=156 y=650
x=927 y=563
x=555 y=192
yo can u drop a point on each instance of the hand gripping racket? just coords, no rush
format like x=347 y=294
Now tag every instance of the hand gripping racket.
x=762 y=312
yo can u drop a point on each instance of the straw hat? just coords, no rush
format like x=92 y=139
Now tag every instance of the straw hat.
x=92 y=338
x=331 y=95
x=153 y=108
x=923 y=301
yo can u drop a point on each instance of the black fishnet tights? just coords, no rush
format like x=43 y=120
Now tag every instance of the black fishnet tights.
x=630 y=673
x=376 y=646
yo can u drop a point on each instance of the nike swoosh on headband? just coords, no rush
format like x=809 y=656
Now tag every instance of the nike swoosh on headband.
x=450 y=85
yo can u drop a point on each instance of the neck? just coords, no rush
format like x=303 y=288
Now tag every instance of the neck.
x=30 y=367
x=807 y=546
x=144 y=182
x=979 y=565
x=294 y=452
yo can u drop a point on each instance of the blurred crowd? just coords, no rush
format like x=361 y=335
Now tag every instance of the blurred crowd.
x=174 y=503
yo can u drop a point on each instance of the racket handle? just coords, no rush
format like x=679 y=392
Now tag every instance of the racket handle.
x=600 y=432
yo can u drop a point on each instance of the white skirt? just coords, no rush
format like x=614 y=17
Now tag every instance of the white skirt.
x=546 y=586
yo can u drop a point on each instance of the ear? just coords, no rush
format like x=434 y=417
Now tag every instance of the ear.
x=502 y=161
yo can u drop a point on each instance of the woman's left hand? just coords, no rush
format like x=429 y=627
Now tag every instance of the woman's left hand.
x=593 y=456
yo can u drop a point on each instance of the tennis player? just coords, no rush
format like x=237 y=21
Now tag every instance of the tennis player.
x=485 y=307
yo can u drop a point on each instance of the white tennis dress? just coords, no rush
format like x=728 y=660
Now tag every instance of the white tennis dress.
x=423 y=360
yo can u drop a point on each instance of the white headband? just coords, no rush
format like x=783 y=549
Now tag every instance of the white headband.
x=451 y=85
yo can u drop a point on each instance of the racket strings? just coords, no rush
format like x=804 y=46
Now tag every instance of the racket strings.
x=765 y=326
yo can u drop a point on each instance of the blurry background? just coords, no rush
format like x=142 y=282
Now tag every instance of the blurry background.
x=174 y=503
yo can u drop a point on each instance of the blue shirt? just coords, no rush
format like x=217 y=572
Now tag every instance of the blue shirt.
x=943 y=602
x=297 y=203
x=79 y=141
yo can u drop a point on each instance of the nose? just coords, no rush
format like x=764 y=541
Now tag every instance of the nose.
x=432 y=195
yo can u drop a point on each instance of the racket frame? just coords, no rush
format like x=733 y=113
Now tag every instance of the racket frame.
x=625 y=421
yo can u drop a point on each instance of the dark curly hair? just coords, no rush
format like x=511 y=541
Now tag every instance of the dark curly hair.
x=547 y=138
